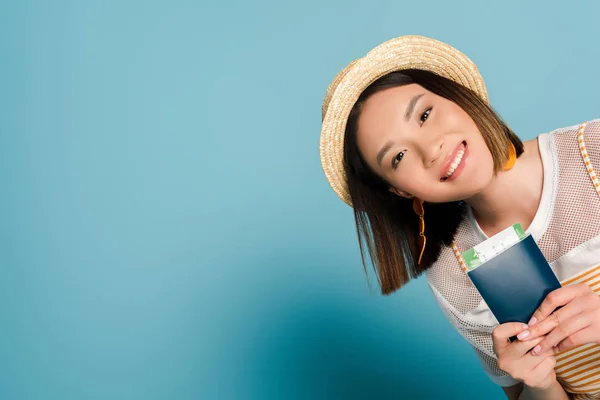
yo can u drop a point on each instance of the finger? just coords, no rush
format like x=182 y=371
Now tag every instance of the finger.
x=534 y=369
x=535 y=361
x=544 y=369
x=562 y=331
x=518 y=349
x=557 y=298
x=570 y=310
x=502 y=332
x=517 y=357
x=583 y=336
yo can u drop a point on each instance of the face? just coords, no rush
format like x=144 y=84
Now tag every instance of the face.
x=423 y=145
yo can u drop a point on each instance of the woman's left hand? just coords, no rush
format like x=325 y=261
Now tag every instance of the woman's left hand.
x=576 y=323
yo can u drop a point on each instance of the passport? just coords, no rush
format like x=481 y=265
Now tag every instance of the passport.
x=512 y=275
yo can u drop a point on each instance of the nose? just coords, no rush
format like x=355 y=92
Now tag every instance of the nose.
x=431 y=150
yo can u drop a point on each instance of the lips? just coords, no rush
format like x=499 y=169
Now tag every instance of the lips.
x=449 y=159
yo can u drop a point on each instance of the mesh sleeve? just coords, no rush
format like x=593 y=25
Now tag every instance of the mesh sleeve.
x=576 y=209
x=592 y=140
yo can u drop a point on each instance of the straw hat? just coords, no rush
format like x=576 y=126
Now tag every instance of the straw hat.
x=404 y=52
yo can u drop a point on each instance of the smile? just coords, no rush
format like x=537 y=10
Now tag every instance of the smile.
x=451 y=166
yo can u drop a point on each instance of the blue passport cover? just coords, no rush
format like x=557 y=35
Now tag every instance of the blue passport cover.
x=515 y=282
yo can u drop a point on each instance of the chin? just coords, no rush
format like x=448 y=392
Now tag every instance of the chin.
x=477 y=184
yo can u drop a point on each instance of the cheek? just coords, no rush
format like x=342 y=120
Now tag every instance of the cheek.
x=482 y=155
x=482 y=163
x=455 y=116
x=415 y=183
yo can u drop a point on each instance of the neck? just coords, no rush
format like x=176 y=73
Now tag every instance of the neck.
x=512 y=196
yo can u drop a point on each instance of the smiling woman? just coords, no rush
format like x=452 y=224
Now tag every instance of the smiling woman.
x=410 y=141
x=423 y=119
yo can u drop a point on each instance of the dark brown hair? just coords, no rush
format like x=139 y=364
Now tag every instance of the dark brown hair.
x=386 y=222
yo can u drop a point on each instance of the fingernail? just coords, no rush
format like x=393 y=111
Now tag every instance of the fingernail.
x=536 y=350
x=523 y=335
x=532 y=321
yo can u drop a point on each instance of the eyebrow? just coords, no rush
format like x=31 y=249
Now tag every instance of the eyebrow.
x=409 y=110
x=383 y=152
x=411 y=106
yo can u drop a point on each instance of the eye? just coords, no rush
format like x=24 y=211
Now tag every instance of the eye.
x=425 y=115
x=397 y=159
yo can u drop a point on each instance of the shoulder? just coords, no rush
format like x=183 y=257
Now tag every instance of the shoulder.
x=573 y=144
x=592 y=127
x=589 y=140
x=589 y=129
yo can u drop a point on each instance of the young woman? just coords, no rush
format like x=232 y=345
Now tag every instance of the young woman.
x=410 y=142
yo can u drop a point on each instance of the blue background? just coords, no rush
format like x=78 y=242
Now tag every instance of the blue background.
x=166 y=228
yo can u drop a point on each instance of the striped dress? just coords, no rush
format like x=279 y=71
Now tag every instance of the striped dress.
x=566 y=227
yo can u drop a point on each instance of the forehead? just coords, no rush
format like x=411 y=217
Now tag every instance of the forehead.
x=387 y=105
x=384 y=111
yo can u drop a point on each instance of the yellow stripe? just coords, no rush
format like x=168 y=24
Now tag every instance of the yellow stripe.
x=591 y=278
x=580 y=358
x=584 y=385
x=576 y=372
x=566 y=353
x=591 y=360
x=461 y=261
x=588 y=376
x=594 y=388
x=586 y=159
x=564 y=357
x=568 y=281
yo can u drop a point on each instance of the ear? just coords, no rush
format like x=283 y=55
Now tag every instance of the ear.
x=401 y=193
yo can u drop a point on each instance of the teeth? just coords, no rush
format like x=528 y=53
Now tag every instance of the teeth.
x=455 y=163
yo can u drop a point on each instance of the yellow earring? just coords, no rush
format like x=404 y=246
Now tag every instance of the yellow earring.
x=421 y=239
x=512 y=158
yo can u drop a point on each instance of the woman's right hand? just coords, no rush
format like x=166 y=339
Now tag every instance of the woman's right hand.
x=516 y=359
